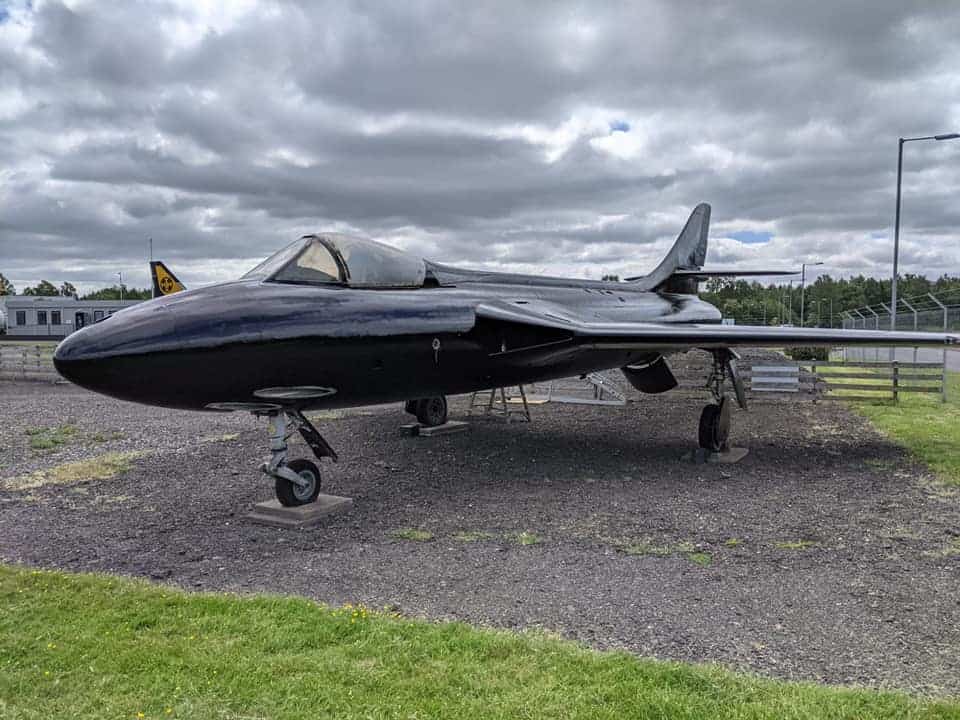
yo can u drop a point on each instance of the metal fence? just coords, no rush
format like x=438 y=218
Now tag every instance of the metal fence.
x=922 y=312
x=929 y=313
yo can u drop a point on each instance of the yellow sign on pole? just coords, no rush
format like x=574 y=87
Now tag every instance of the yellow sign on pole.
x=164 y=281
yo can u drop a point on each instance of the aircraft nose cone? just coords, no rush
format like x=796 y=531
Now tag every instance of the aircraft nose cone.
x=72 y=355
x=93 y=356
x=80 y=357
x=74 y=347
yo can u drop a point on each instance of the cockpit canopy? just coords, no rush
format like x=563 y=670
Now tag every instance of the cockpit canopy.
x=333 y=258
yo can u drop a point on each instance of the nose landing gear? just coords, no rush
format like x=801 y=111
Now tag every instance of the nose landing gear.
x=296 y=482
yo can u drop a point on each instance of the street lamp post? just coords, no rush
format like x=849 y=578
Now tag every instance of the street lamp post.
x=803 y=277
x=120 y=274
x=896 y=225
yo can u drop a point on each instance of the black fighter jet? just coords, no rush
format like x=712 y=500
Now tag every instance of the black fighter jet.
x=337 y=321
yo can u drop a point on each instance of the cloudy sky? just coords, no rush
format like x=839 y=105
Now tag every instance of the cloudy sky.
x=565 y=138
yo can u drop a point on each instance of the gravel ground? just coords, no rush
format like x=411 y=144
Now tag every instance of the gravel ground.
x=824 y=555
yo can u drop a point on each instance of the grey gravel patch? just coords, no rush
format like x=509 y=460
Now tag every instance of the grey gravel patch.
x=869 y=602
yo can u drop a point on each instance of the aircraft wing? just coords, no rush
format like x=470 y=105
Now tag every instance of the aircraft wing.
x=682 y=336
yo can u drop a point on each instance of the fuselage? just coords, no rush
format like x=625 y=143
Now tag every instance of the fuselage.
x=224 y=342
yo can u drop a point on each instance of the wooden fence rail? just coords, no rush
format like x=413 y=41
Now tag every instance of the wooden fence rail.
x=821 y=379
x=21 y=361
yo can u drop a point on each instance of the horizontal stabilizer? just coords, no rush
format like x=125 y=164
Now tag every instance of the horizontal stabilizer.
x=707 y=274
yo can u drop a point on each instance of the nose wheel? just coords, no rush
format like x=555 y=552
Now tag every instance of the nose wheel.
x=290 y=493
x=296 y=482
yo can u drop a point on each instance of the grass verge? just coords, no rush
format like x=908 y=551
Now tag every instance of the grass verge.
x=48 y=438
x=91 y=646
x=927 y=427
x=101 y=467
x=412 y=534
x=525 y=538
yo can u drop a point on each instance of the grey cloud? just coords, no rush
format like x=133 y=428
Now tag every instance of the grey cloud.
x=470 y=127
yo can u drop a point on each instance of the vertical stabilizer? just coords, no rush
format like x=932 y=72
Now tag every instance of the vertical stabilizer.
x=688 y=253
x=164 y=281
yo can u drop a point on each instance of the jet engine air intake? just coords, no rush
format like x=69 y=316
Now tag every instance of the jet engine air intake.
x=650 y=375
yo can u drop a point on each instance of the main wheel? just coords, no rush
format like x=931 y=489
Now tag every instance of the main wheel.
x=290 y=494
x=715 y=426
x=432 y=411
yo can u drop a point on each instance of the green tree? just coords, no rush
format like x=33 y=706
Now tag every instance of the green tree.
x=113 y=293
x=6 y=287
x=68 y=290
x=751 y=302
x=45 y=289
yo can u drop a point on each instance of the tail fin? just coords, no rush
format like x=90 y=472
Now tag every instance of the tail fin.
x=164 y=281
x=688 y=253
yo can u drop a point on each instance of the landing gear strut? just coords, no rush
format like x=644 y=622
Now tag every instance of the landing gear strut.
x=714 y=427
x=297 y=482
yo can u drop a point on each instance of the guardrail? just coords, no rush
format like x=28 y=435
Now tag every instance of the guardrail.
x=21 y=361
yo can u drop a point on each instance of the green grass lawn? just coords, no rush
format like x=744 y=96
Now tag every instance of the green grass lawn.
x=923 y=424
x=75 y=646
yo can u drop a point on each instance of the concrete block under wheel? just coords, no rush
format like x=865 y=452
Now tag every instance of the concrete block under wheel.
x=726 y=457
x=448 y=428
x=301 y=516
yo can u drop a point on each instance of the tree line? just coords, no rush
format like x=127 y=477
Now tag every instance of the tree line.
x=744 y=301
x=823 y=299
x=45 y=288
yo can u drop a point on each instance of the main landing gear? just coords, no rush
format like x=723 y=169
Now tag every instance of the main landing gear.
x=430 y=412
x=296 y=482
x=714 y=427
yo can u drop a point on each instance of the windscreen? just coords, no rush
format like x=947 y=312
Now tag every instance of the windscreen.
x=316 y=264
x=275 y=261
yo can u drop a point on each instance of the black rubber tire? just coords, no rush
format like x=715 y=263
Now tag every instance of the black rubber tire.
x=715 y=426
x=432 y=412
x=291 y=495
x=410 y=407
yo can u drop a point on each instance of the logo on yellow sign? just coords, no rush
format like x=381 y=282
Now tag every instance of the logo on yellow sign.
x=166 y=282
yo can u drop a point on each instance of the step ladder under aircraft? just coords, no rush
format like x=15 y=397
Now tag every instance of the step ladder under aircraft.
x=509 y=406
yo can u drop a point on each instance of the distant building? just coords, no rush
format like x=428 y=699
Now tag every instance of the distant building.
x=55 y=317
